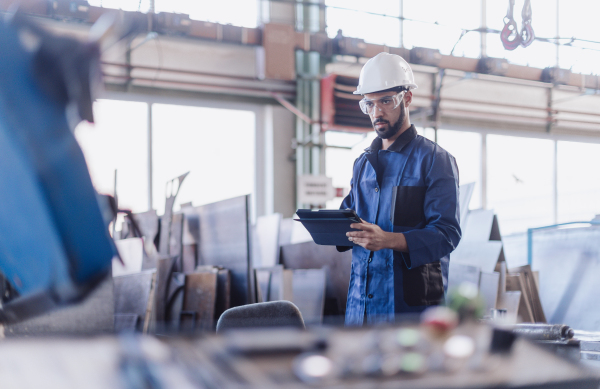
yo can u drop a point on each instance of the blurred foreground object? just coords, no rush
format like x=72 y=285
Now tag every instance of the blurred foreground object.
x=54 y=243
x=469 y=356
x=466 y=301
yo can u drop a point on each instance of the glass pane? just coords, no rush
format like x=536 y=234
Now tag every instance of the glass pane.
x=577 y=17
x=420 y=30
x=443 y=38
x=385 y=7
x=339 y=162
x=372 y=28
x=519 y=181
x=125 y=5
x=444 y=12
x=215 y=145
x=245 y=12
x=428 y=132
x=578 y=181
x=345 y=139
x=466 y=149
x=118 y=141
x=579 y=59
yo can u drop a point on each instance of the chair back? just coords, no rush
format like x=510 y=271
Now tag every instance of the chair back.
x=270 y=314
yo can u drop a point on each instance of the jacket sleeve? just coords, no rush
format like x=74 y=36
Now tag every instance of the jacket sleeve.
x=441 y=234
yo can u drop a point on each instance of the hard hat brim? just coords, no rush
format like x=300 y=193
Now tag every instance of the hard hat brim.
x=375 y=90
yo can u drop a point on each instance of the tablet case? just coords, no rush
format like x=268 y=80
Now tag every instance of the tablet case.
x=328 y=227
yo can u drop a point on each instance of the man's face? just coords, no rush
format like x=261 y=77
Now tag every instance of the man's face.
x=386 y=120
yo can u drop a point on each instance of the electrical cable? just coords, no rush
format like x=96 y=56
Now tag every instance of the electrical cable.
x=541 y=39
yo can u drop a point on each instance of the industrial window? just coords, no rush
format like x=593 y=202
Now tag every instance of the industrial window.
x=339 y=162
x=118 y=141
x=576 y=20
x=427 y=132
x=438 y=24
x=125 y=5
x=578 y=181
x=466 y=149
x=215 y=145
x=359 y=19
x=520 y=181
x=245 y=15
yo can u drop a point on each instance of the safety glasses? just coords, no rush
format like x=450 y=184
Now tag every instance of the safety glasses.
x=386 y=103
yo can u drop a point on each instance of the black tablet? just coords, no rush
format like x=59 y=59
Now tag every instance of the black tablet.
x=328 y=226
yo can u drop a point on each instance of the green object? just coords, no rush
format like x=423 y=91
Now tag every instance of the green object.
x=408 y=337
x=412 y=362
x=466 y=301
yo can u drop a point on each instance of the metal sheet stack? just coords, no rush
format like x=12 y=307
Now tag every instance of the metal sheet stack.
x=522 y=279
x=568 y=262
x=209 y=259
x=479 y=259
x=200 y=268
x=336 y=265
x=289 y=266
x=303 y=287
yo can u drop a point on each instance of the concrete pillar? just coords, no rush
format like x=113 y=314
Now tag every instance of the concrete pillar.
x=284 y=177
x=276 y=175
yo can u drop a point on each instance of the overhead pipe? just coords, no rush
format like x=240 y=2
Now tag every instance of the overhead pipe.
x=252 y=91
x=281 y=99
x=492 y=115
x=189 y=72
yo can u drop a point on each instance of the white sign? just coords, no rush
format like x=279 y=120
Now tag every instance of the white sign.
x=315 y=190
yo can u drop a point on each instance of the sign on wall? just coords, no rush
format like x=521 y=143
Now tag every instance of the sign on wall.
x=315 y=190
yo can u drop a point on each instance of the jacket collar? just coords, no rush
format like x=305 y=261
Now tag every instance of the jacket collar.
x=405 y=138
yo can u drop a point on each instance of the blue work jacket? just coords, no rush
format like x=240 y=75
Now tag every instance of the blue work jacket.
x=416 y=194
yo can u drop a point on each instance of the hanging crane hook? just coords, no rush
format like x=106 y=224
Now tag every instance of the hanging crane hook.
x=527 y=34
x=510 y=29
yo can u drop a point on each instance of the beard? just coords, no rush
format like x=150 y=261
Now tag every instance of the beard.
x=391 y=129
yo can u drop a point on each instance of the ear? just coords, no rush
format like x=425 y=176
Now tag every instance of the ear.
x=408 y=98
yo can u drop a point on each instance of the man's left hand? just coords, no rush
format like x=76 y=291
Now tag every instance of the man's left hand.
x=371 y=236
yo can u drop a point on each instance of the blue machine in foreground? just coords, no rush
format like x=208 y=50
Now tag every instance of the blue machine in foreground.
x=54 y=242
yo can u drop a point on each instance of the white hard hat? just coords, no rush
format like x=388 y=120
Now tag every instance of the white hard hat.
x=385 y=71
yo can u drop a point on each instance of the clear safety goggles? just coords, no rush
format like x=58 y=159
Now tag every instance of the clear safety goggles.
x=386 y=103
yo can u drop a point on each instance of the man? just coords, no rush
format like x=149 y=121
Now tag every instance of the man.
x=405 y=189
